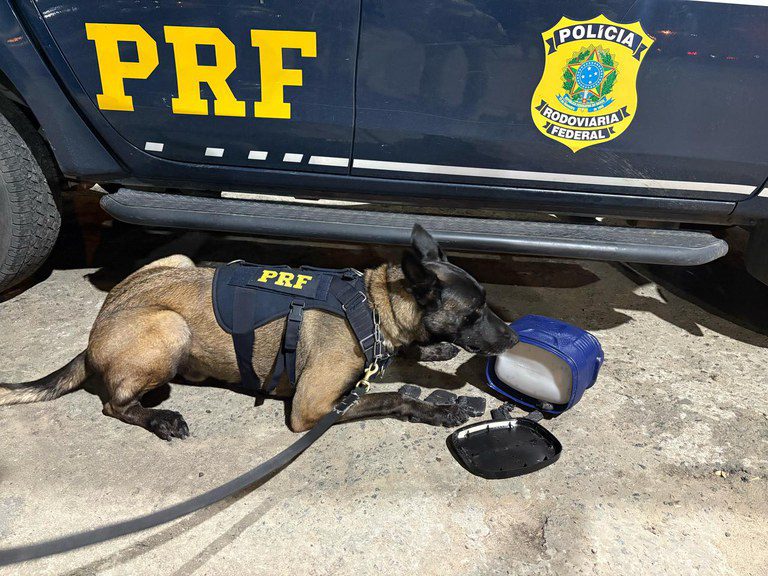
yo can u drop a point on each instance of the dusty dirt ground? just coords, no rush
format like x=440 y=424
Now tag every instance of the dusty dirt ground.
x=664 y=469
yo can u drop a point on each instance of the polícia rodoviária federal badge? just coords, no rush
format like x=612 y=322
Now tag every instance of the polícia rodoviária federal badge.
x=587 y=93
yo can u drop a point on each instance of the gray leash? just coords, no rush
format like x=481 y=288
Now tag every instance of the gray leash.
x=262 y=471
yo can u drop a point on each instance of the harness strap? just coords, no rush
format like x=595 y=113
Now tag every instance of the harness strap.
x=243 y=336
x=341 y=292
x=359 y=316
x=286 y=357
x=291 y=340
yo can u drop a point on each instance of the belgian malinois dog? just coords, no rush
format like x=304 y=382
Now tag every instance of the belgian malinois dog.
x=158 y=324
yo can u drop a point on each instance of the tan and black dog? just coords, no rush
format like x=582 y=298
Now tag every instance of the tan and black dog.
x=158 y=324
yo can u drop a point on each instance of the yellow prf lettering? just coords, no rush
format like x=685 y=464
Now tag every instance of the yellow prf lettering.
x=301 y=279
x=267 y=275
x=114 y=71
x=190 y=74
x=273 y=76
x=284 y=279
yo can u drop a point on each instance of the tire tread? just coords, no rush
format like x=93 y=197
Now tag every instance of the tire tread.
x=34 y=218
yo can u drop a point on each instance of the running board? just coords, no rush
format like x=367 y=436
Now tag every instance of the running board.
x=555 y=239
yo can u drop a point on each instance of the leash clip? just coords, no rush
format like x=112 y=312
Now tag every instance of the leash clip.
x=360 y=388
x=370 y=372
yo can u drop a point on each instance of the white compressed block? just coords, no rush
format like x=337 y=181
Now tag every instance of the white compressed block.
x=535 y=372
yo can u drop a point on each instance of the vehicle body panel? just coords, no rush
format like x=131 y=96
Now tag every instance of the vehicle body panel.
x=321 y=119
x=462 y=97
x=143 y=169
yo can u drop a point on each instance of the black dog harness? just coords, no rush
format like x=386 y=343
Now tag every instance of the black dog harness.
x=248 y=296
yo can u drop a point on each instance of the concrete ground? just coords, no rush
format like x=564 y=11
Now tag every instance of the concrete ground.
x=664 y=468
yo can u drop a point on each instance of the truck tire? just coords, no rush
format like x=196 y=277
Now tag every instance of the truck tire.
x=29 y=217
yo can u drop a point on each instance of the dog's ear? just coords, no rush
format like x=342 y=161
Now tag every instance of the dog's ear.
x=425 y=246
x=422 y=282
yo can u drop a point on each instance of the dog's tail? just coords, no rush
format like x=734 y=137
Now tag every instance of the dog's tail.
x=65 y=379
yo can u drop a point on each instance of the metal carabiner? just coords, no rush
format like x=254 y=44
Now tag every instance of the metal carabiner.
x=370 y=371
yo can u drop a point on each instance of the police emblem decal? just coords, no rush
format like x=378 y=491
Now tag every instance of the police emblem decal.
x=587 y=93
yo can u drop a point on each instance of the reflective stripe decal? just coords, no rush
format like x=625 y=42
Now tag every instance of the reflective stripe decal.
x=214 y=152
x=329 y=161
x=550 y=177
x=495 y=173
x=257 y=155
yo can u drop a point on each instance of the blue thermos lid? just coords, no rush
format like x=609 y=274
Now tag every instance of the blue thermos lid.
x=577 y=348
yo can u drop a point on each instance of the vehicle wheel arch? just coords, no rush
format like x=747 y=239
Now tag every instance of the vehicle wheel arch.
x=22 y=118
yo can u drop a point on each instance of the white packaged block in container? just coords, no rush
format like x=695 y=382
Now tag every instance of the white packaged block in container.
x=536 y=373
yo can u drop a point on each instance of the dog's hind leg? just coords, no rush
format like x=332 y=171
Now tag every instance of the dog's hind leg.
x=166 y=424
x=136 y=351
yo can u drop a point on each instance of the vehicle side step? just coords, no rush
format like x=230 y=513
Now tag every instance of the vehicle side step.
x=556 y=239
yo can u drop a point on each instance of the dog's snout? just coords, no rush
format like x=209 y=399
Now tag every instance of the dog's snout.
x=503 y=336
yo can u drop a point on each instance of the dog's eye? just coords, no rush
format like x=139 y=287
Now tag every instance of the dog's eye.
x=471 y=318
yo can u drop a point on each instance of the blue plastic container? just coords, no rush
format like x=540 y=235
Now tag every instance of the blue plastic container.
x=579 y=349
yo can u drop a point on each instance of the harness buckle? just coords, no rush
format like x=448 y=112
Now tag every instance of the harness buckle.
x=296 y=312
x=355 y=301
x=365 y=346
x=351 y=274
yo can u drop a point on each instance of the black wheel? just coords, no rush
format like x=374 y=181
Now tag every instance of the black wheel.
x=29 y=217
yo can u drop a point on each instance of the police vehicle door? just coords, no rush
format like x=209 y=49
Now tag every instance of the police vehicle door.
x=648 y=98
x=238 y=83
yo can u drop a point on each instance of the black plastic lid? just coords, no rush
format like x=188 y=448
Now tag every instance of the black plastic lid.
x=504 y=448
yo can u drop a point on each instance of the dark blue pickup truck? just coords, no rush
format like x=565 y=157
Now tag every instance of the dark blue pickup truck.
x=584 y=118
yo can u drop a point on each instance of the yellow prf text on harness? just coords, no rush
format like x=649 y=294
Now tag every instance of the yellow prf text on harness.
x=287 y=279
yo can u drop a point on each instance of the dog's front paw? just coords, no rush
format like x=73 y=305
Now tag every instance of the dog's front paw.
x=168 y=424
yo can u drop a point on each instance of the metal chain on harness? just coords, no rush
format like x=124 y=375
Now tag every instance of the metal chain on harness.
x=378 y=345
